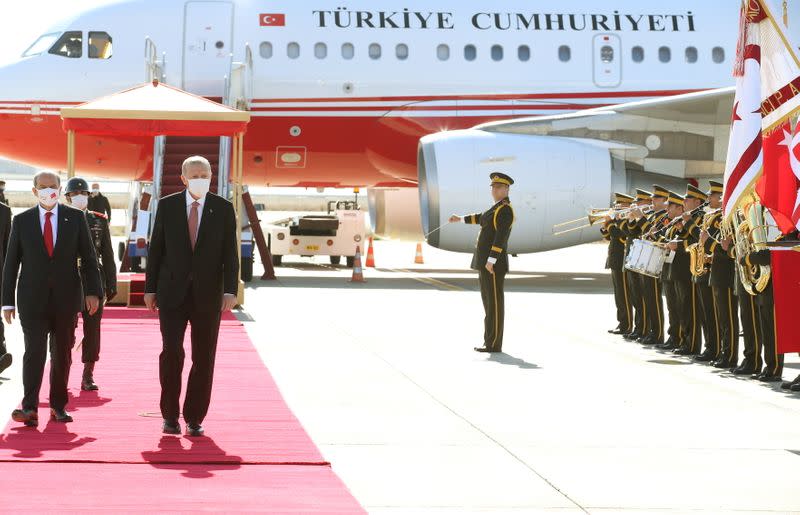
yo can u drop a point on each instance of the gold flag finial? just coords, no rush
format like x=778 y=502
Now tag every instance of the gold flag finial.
x=786 y=13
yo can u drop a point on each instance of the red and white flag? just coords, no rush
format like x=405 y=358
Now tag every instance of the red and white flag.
x=272 y=20
x=778 y=184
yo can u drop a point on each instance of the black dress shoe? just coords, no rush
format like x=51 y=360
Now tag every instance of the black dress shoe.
x=616 y=331
x=795 y=387
x=649 y=340
x=88 y=385
x=723 y=363
x=631 y=336
x=28 y=417
x=769 y=378
x=787 y=385
x=194 y=429
x=683 y=351
x=483 y=349
x=171 y=427
x=60 y=415
x=744 y=370
x=5 y=361
x=705 y=358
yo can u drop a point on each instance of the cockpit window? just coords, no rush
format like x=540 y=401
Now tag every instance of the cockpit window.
x=41 y=45
x=99 y=45
x=69 y=45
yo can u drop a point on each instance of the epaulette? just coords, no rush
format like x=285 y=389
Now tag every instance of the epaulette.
x=101 y=215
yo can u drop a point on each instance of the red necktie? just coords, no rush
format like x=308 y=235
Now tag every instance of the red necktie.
x=193 y=216
x=48 y=234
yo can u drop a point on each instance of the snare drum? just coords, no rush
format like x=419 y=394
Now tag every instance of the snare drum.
x=633 y=255
x=657 y=255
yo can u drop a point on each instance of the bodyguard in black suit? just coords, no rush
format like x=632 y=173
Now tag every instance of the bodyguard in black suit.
x=490 y=259
x=192 y=276
x=48 y=242
x=5 y=233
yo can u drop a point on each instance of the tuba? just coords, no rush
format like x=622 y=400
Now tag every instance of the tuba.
x=749 y=232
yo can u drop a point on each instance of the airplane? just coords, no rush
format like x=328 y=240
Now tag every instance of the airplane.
x=417 y=101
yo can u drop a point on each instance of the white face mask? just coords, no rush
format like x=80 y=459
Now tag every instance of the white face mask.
x=48 y=197
x=80 y=201
x=199 y=187
x=95 y=191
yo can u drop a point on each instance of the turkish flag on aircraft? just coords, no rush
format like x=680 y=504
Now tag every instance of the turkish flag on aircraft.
x=272 y=20
x=777 y=186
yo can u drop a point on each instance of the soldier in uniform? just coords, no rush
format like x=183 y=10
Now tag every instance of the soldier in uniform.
x=491 y=258
x=633 y=279
x=77 y=194
x=721 y=280
x=614 y=232
x=651 y=287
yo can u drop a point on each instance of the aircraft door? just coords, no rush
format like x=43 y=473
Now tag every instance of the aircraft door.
x=607 y=60
x=207 y=46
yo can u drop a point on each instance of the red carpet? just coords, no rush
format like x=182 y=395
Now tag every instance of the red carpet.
x=91 y=488
x=248 y=424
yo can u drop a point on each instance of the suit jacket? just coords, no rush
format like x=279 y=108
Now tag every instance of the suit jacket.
x=211 y=270
x=617 y=242
x=493 y=239
x=73 y=256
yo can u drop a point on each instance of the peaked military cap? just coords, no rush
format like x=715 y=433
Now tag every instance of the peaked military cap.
x=660 y=191
x=674 y=198
x=714 y=187
x=501 y=178
x=695 y=192
x=643 y=195
x=621 y=198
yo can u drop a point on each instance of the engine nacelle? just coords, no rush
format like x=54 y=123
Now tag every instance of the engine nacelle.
x=394 y=213
x=556 y=179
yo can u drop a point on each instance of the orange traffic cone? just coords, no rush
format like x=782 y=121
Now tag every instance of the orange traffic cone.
x=358 y=273
x=418 y=258
x=371 y=254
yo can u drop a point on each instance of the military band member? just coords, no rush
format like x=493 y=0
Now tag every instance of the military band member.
x=721 y=280
x=77 y=194
x=751 y=330
x=651 y=287
x=616 y=235
x=765 y=309
x=633 y=280
x=491 y=258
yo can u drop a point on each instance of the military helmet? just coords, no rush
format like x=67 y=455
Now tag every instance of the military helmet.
x=77 y=184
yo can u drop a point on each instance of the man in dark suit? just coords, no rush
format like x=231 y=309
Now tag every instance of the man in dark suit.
x=192 y=276
x=5 y=232
x=48 y=241
x=490 y=259
x=99 y=203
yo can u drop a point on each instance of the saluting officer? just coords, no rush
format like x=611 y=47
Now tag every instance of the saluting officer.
x=77 y=193
x=616 y=236
x=491 y=258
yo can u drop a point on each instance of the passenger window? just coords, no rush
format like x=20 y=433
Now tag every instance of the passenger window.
x=402 y=51
x=348 y=51
x=320 y=50
x=265 y=50
x=443 y=52
x=69 y=45
x=691 y=54
x=470 y=52
x=524 y=53
x=718 y=54
x=607 y=54
x=664 y=54
x=564 y=53
x=374 y=51
x=497 y=53
x=100 y=46
x=293 y=50
x=637 y=54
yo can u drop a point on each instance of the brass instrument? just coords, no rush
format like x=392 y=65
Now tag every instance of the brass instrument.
x=698 y=259
x=595 y=215
x=749 y=232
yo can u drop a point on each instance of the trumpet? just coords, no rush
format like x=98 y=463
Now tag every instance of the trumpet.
x=595 y=215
